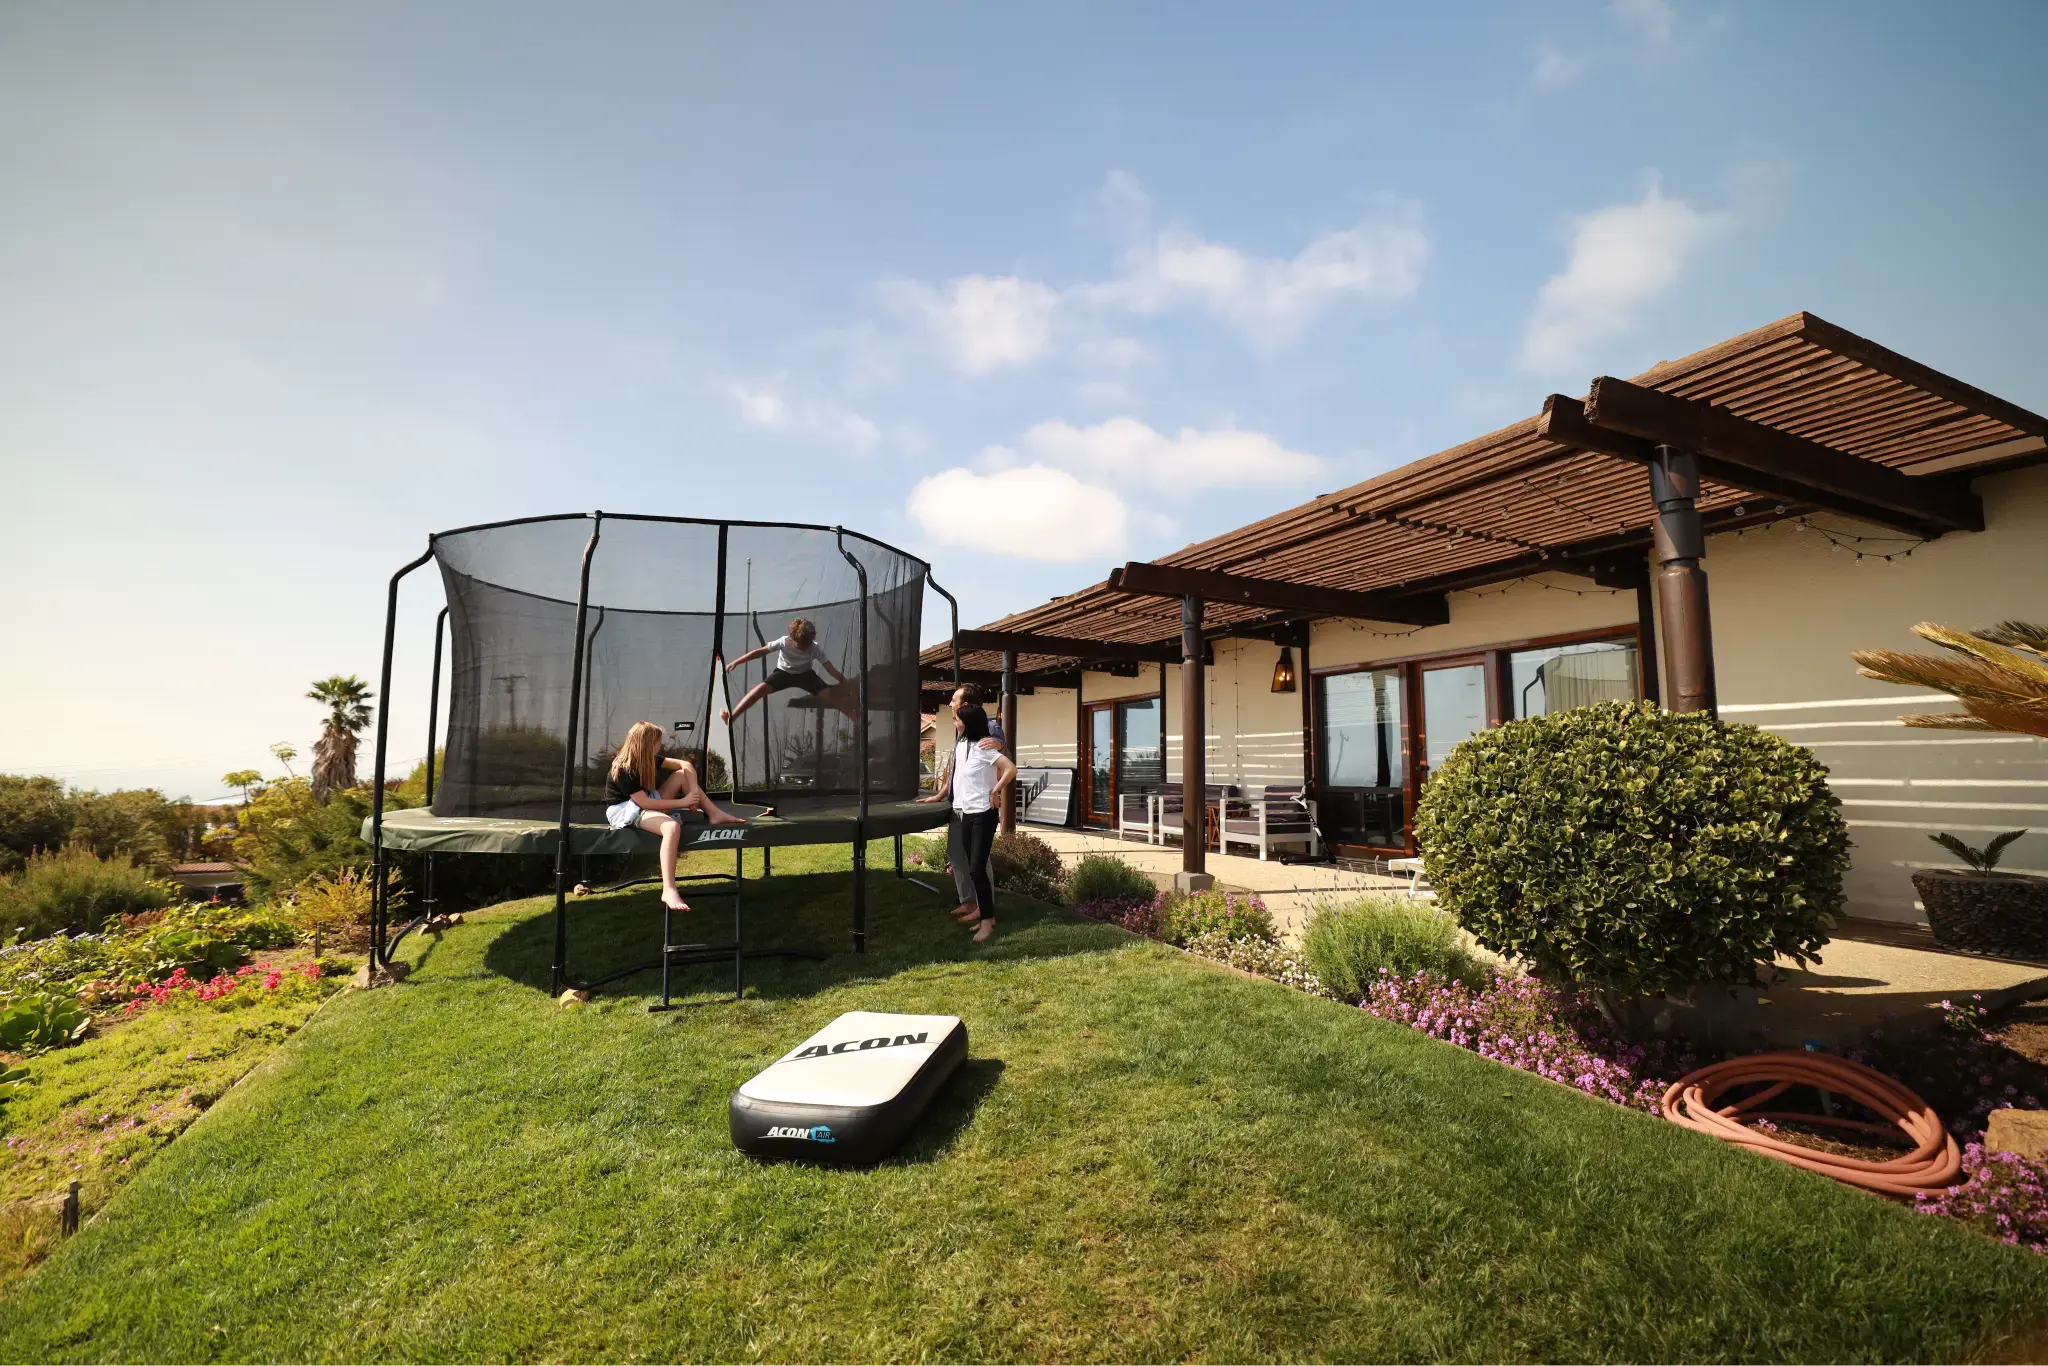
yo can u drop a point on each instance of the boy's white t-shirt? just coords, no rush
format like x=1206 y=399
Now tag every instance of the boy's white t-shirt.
x=794 y=658
x=974 y=776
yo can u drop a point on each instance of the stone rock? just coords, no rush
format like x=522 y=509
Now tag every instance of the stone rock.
x=573 y=997
x=456 y=918
x=2024 y=1132
x=370 y=975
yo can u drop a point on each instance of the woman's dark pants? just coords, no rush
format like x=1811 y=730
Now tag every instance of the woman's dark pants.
x=975 y=835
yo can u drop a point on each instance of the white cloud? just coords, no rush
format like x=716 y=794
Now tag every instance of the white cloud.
x=770 y=404
x=1654 y=21
x=1032 y=511
x=1126 y=451
x=1271 y=299
x=981 y=322
x=1555 y=68
x=1622 y=256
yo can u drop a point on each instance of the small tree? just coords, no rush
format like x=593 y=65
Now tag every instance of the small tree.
x=1635 y=850
x=286 y=751
x=2000 y=675
x=244 y=778
x=334 y=904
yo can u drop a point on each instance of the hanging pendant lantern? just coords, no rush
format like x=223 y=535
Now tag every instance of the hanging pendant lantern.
x=1283 y=672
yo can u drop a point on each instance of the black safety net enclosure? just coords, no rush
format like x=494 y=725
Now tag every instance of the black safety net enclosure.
x=562 y=632
x=668 y=603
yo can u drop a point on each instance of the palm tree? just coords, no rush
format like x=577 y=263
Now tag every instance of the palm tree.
x=2000 y=676
x=347 y=699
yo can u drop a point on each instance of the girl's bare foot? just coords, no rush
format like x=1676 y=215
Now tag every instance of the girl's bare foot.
x=967 y=913
x=673 y=899
x=985 y=929
x=719 y=817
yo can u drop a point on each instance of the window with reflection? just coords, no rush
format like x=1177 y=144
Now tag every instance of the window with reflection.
x=1560 y=677
x=1362 y=792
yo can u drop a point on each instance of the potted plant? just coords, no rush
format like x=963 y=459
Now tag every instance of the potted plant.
x=1981 y=910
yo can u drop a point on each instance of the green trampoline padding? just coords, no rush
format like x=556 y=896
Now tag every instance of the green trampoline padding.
x=421 y=830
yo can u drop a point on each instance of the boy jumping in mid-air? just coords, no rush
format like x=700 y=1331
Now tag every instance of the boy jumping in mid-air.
x=799 y=656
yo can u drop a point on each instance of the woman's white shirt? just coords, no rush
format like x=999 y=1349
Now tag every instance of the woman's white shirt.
x=974 y=776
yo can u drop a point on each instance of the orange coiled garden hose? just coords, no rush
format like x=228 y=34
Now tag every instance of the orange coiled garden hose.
x=1694 y=1101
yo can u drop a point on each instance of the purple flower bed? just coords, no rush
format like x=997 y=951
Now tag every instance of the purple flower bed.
x=1537 y=1028
x=1139 y=917
x=2002 y=1194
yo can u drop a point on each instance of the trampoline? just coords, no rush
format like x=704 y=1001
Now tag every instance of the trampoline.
x=560 y=632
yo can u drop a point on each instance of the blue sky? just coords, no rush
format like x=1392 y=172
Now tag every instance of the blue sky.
x=284 y=288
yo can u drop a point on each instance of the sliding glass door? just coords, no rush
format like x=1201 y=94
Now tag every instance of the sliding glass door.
x=1125 y=752
x=1364 y=781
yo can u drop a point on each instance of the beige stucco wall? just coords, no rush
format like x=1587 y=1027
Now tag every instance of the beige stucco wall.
x=1787 y=610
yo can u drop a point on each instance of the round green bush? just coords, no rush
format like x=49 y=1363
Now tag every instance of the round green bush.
x=1636 y=850
x=1101 y=877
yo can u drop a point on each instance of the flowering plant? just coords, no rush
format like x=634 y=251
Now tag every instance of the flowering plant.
x=1186 y=915
x=225 y=990
x=2002 y=1194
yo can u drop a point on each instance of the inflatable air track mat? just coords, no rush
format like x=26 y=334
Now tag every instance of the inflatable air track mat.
x=851 y=1091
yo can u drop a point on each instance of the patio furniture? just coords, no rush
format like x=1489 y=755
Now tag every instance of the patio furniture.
x=1137 y=813
x=1418 y=880
x=1278 y=815
x=1169 y=807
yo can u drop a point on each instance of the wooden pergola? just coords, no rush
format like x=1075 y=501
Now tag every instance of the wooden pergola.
x=1797 y=417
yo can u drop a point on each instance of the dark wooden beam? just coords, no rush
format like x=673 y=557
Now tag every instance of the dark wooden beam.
x=1170 y=581
x=1820 y=474
x=1565 y=421
x=1067 y=647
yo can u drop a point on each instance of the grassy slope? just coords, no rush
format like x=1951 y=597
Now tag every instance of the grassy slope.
x=1147 y=1159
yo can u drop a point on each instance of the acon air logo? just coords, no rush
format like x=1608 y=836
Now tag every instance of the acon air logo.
x=815 y=1133
x=729 y=836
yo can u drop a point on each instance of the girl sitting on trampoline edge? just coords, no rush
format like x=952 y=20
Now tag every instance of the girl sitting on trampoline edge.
x=637 y=793
x=797 y=658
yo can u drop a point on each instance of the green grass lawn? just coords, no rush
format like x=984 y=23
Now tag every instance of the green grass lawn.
x=1145 y=1159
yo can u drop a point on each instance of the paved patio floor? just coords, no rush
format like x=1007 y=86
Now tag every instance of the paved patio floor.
x=1869 y=975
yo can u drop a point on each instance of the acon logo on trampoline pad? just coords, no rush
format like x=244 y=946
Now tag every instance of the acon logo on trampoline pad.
x=721 y=836
x=823 y=1050
x=815 y=1133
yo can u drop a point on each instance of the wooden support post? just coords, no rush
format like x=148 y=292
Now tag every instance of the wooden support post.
x=1009 y=816
x=1680 y=545
x=1194 y=834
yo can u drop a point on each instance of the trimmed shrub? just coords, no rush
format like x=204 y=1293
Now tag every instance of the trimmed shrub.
x=1348 y=944
x=1233 y=915
x=1026 y=865
x=1099 y=877
x=1636 y=850
x=71 y=891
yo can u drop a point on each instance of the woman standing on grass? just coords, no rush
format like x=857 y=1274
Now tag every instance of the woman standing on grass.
x=977 y=780
x=636 y=793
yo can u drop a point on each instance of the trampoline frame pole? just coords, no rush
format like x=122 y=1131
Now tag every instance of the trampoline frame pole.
x=381 y=865
x=717 y=661
x=589 y=691
x=954 y=604
x=570 y=762
x=860 y=823
x=433 y=738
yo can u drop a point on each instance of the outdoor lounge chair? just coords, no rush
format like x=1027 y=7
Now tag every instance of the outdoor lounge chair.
x=1169 y=806
x=1137 y=813
x=1279 y=815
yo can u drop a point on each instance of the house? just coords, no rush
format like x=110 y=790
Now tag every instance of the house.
x=1716 y=534
x=211 y=881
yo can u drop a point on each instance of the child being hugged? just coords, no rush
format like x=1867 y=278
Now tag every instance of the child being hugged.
x=645 y=788
x=799 y=656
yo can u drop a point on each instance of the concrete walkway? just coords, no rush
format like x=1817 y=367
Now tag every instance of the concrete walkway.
x=1869 y=975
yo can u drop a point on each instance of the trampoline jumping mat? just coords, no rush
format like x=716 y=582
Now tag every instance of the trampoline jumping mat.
x=850 y=1092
